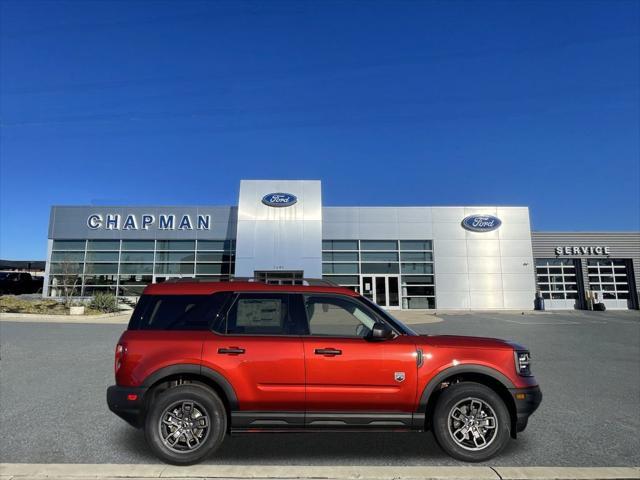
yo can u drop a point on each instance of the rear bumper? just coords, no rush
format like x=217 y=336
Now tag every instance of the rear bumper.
x=526 y=401
x=127 y=403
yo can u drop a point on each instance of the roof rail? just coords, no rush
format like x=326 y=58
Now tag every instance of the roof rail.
x=305 y=281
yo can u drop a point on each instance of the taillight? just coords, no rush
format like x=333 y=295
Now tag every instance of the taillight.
x=121 y=350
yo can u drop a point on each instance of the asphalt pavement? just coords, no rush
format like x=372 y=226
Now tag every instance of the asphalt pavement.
x=53 y=379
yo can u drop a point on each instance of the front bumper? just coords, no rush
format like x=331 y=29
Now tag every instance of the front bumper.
x=526 y=401
x=127 y=403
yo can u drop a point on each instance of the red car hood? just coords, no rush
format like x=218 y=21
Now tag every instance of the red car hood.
x=461 y=341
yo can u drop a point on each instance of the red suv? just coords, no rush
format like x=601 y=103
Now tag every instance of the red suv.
x=200 y=360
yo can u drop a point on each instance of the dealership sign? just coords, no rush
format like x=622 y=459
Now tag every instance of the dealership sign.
x=114 y=221
x=481 y=223
x=279 y=199
x=583 y=250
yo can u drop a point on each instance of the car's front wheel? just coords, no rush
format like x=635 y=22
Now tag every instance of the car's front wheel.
x=471 y=422
x=185 y=424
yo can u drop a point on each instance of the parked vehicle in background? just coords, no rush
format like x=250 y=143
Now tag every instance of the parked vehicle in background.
x=18 y=283
x=202 y=360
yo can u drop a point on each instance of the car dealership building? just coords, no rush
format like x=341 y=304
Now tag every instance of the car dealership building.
x=474 y=257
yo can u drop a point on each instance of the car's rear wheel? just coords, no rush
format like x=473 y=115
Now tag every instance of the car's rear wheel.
x=471 y=422
x=185 y=424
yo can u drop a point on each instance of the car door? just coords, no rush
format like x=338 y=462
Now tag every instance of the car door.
x=257 y=348
x=346 y=372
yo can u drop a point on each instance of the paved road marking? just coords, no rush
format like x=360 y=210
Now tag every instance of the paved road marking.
x=25 y=471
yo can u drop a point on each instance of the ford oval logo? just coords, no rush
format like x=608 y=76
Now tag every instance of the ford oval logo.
x=279 y=199
x=481 y=223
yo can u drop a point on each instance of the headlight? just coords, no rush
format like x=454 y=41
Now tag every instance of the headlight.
x=523 y=363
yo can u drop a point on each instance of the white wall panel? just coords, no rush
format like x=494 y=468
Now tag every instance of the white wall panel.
x=452 y=265
x=451 y=282
x=516 y=248
x=517 y=282
x=518 y=300
x=453 y=301
x=484 y=265
x=523 y=265
x=483 y=248
x=485 y=282
x=449 y=248
x=486 y=300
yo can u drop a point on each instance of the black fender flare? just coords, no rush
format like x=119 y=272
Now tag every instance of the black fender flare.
x=195 y=369
x=458 y=370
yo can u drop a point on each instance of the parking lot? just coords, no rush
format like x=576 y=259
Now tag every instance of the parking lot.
x=53 y=380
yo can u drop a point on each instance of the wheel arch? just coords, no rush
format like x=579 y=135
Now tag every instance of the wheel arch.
x=179 y=374
x=481 y=374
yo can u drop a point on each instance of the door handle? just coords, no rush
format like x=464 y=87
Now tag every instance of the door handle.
x=231 y=351
x=328 y=351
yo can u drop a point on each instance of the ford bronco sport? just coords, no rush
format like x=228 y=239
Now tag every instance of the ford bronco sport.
x=200 y=360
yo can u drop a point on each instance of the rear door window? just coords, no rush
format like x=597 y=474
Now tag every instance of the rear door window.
x=177 y=312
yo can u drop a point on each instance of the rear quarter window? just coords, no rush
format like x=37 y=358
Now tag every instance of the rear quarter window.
x=177 y=312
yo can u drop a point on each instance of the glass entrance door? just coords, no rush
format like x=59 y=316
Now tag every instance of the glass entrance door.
x=382 y=289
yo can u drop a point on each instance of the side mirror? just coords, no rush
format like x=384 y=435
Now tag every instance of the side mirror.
x=380 y=331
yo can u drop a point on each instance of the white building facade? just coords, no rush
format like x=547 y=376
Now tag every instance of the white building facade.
x=464 y=257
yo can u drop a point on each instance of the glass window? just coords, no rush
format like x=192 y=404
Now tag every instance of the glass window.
x=417 y=256
x=176 y=245
x=417 y=268
x=339 y=268
x=131 y=290
x=417 y=280
x=135 y=279
x=67 y=256
x=343 y=279
x=214 y=268
x=416 y=245
x=136 y=268
x=89 y=291
x=66 y=268
x=103 y=245
x=337 y=317
x=176 y=312
x=100 y=279
x=259 y=314
x=176 y=268
x=136 y=257
x=138 y=244
x=213 y=257
x=101 y=268
x=418 y=303
x=102 y=256
x=379 y=268
x=378 y=245
x=340 y=245
x=339 y=256
x=68 y=245
x=175 y=257
x=380 y=257
x=215 y=245
x=419 y=291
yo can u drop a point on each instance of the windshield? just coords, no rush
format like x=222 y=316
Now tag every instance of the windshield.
x=6 y=275
x=390 y=318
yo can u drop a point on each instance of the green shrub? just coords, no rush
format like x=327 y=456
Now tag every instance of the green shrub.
x=104 y=302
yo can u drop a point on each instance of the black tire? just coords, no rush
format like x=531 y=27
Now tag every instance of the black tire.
x=201 y=398
x=461 y=394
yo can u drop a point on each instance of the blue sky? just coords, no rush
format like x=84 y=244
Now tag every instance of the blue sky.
x=388 y=103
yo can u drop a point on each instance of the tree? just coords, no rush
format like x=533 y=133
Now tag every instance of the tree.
x=67 y=274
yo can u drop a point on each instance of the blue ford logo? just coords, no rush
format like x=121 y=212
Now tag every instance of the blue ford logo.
x=481 y=223
x=279 y=199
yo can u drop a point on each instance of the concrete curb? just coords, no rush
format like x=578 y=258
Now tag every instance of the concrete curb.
x=107 y=318
x=22 y=471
